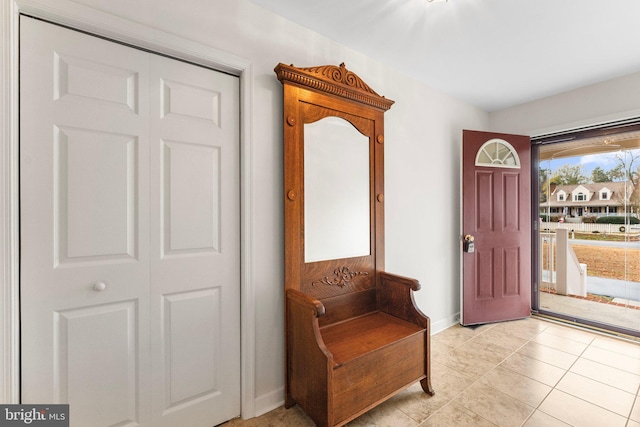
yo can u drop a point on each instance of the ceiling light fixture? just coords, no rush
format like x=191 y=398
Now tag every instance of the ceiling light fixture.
x=437 y=1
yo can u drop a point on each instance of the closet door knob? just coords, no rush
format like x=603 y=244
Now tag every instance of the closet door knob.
x=99 y=286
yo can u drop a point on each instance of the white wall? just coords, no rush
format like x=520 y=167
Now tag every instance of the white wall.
x=422 y=142
x=598 y=103
x=422 y=187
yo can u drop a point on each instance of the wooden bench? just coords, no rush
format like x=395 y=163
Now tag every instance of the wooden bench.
x=353 y=334
x=343 y=369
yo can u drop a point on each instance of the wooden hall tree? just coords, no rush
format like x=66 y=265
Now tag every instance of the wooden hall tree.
x=353 y=334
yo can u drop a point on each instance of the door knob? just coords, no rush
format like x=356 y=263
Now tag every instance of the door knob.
x=99 y=286
x=469 y=246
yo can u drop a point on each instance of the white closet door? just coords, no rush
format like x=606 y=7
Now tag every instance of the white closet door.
x=115 y=299
x=195 y=258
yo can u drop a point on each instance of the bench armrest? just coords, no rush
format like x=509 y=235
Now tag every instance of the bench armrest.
x=306 y=301
x=302 y=312
x=308 y=360
x=395 y=297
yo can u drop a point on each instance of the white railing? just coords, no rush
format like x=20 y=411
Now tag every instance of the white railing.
x=584 y=227
x=561 y=270
x=547 y=263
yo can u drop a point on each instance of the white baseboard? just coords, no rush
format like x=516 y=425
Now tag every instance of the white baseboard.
x=269 y=401
x=443 y=324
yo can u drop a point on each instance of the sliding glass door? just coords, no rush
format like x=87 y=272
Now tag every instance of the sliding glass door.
x=588 y=236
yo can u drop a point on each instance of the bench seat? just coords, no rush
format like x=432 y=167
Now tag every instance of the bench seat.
x=356 y=337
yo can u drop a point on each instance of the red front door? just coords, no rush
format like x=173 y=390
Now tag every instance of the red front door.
x=496 y=206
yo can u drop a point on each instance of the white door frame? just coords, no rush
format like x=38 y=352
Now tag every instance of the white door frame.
x=102 y=24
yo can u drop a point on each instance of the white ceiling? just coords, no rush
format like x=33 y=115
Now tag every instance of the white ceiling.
x=491 y=53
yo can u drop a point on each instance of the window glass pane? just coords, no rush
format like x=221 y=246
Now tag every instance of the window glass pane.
x=484 y=158
x=510 y=160
x=497 y=153
x=588 y=252
x=502 y=151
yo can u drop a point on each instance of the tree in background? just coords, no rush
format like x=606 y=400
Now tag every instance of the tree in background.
x=616 y=174
x=630 y=171
x=544 y=174
x=627 y=159
x=569 y=175
x=634 y=200
x=599 y=175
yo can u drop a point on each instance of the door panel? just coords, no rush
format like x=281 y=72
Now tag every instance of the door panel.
x=185 y=351
x=484 y=205
x=111 y=389
x=496 y=278
x=84 y=248
x=129 y=169
x=194 y=199
x=94 y=180
x=92 y=81
x=197 y=229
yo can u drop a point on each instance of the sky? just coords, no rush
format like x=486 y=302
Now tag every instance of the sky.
x=606 y=161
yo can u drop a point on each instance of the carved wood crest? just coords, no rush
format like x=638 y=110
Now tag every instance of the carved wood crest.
x=342 y=277
x=335 y=80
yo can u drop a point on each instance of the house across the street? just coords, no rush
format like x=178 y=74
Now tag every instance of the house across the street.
x=589 y=200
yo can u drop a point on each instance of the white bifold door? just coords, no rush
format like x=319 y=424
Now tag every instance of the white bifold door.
x=130 y=235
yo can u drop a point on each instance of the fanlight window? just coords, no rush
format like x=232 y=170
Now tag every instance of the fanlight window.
x=498 y=153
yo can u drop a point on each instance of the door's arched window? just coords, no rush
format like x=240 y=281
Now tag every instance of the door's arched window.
x=498 y=153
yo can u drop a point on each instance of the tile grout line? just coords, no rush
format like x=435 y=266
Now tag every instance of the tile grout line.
x=566 y=371
x=467 y=339
x=636 y=401
x=559 y=380
x=589 y=344
x=547 y=395
x=452 y=399
x=491 y=370
x=628 y=418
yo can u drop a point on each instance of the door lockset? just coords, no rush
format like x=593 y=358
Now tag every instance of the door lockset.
x=468 y=244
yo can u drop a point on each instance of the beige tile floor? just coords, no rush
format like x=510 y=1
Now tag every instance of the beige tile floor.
x=522 y=373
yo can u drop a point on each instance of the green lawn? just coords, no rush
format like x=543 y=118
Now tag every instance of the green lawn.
x=611 y=237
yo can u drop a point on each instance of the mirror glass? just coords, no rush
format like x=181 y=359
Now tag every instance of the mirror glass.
x=336 y=190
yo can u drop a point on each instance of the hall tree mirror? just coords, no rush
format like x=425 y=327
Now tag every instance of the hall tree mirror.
x=353 y=334
x=336 y=190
